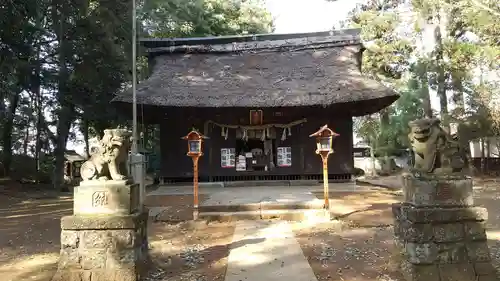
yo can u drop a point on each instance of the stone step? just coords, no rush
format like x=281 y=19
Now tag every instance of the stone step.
x=271 y=183
x=262 y=206
x=252 y=183
x=289 y=215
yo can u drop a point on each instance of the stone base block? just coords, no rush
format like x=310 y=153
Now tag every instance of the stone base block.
x=106 y=197
x=442 y=244
x=449 y=272
x=437 y=190
x=446 y=272
x=103 y=247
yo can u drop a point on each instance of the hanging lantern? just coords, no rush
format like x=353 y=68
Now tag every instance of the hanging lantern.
x=324 y=139
x=195 y=141
x=324 y=144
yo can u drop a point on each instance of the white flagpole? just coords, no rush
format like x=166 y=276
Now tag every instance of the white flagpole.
x=136 y=158
x=134 y=79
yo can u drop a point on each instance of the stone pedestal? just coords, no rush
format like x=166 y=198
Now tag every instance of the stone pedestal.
x=106 y=238
x=106 y=197
x=440 y=234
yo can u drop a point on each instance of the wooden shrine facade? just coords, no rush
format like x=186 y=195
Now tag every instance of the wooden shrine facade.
x=257 y=99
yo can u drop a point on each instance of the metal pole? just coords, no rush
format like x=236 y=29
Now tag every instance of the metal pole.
x=134 y=79
x=135 y=138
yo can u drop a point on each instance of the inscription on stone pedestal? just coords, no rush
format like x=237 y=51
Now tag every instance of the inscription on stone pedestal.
x=100 y=199
x=107 y=198
x=444 y=192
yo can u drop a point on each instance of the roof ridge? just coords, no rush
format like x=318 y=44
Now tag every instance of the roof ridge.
x=249 y=42
x=276 y=46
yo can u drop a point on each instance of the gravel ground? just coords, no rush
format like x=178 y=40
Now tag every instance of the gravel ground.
x=179 y=208
x=186 y=253
x=183 y=252
x=29 y=239
x=349 y=253
x=363 y=247
x=30 y=243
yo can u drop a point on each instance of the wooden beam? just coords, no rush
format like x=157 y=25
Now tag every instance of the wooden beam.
x=296 y=44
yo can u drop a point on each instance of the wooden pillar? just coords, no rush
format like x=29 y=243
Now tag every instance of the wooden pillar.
x=326 y=192
x=195 y=187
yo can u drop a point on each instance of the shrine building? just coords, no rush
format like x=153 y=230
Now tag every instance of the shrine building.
x=257 y=98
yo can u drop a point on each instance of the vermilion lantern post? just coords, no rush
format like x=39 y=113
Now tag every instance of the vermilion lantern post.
x=324 y=137
x=195 y=151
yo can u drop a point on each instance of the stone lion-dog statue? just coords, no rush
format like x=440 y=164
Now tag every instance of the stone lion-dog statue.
x=436 y=151
x=110 y=160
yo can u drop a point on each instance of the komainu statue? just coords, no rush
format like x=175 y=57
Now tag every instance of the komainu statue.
x=110 y=159
x=436 y=151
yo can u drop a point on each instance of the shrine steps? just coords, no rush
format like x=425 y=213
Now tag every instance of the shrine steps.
x=299 y=211
x=289 y=215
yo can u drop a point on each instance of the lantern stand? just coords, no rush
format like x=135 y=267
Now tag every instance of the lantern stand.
x=195 y=141
x=324 y=137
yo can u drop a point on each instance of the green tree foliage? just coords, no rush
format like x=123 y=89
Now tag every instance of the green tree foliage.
x=198 y=18
x=461 y=69
x=61 y=63
x=394 y=138
x=386 y=59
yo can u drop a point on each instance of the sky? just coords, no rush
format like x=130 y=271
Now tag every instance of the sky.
x=293 y=16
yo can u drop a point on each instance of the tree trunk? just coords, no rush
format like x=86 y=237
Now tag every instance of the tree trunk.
x=425 y=96
x=423 y=76
x=86 y=136
x=384 y=126
x=482 y=157
x=29 y=117
x=441 y=78
x=488 y=154
x=65 y=118
x=7 y=133
x=38 y=141
x=458 y=95
x=38 y=101
x=26 y=139
x=66 y=113
x=457 y=75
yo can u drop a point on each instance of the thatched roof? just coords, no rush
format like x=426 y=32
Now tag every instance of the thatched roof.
x=316 y=69
x=72 y=156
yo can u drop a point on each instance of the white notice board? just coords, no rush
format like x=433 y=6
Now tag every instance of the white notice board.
x=284 y=157
x=227 y=157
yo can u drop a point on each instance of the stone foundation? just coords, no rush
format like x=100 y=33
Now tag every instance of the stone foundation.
x=103 y=248
x=439 y=232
